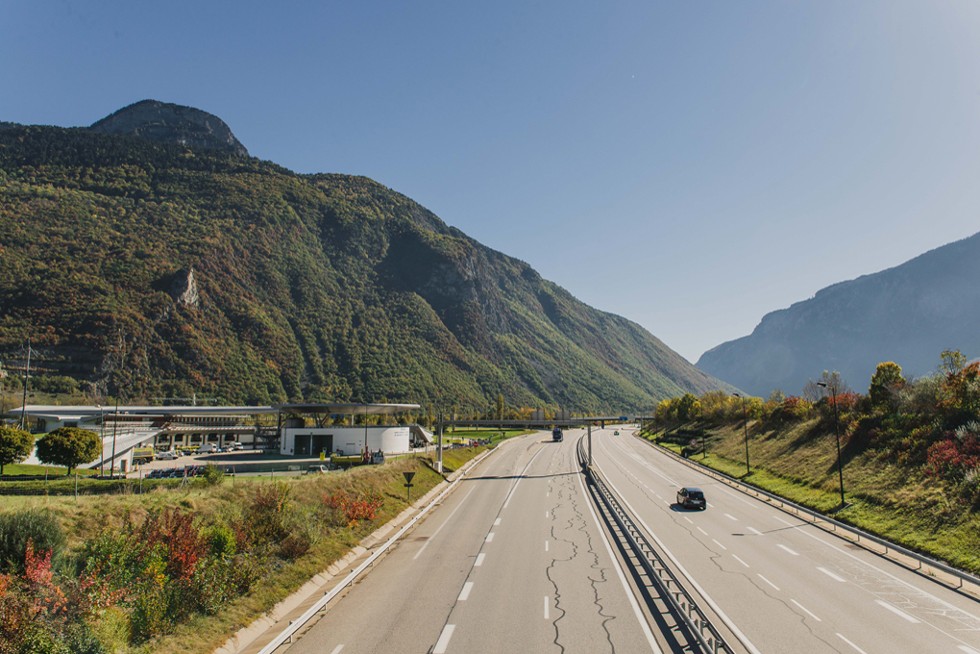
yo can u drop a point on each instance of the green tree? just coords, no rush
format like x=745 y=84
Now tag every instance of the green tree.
x=886 y=384
x=15 y=445
x=69 y=447
x=952 y=362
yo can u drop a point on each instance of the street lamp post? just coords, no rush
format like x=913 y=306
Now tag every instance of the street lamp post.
x=840 y=467
x=745 y=426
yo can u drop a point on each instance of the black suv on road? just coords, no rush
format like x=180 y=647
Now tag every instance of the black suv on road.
x=692 y=498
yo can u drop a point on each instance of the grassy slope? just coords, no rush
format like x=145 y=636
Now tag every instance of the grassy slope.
x=893 y=502
x=86 y=516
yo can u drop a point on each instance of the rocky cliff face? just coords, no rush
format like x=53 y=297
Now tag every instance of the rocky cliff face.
x=170 y=123
x=908 y=314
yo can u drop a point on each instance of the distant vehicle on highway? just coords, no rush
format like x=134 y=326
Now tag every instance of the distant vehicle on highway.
x=692 y=498
x=616 y=433
x=557 y=435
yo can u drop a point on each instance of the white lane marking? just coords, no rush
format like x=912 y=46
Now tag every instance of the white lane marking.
x=622 y=578
x=898 y=612
x=731 y=517
x=479 y=559
x=783 y=547
x=754 y=531
x=546 y=546
x=489 y=538
x=856 y=648
x=702 y=531
x=688 y=519
x=546 y=514
x=336 y=650
x=767 y=581
x=496 y=523
x=742 y=638
x=547 y=607
x=443 y=642
x=892 y=577
x=465 y=593
x=968 y=650
x=520 y=477
x=806 y=610
x=739 y=497
x=831 y=575
x=448 y=518
x=735 y=556
x=719 y=544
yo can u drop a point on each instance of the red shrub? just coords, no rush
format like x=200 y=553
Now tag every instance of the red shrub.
x=951 y=458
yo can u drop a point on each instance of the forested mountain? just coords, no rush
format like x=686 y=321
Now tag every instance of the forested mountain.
x=148 y=261
x=908 y=314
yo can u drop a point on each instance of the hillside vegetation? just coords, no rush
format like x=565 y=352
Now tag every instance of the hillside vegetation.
x=910 y=452
x=147 y=269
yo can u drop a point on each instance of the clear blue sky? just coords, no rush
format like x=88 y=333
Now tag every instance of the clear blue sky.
x=689 y=165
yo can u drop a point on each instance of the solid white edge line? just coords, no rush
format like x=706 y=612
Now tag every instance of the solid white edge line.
x=806 y=610
x=654 y=647
x=832 y=575
x=465 y=593
x=448 y=518
x=663 y=548
x=856 y=648
x=900 y=613
x=443 y=642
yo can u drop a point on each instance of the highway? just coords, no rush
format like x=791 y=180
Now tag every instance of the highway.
x=514 y=561
x=786 y=585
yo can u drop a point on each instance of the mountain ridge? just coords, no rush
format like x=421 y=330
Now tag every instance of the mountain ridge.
x=908 y=313
x=321 y=286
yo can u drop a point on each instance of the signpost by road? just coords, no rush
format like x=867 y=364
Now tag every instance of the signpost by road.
x=408 y=483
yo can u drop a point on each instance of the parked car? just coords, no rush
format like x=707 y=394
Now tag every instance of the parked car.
x=690 y=497
x=237 y=446
x=315 y=470
x=167 y=455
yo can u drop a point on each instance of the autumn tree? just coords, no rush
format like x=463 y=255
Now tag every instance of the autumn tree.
x=15 y=445
x=886 y=384
x=69 y=447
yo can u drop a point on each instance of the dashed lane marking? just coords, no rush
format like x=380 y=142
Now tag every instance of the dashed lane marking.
x=897 y=611
x=856 y=648
x=806 y=610
x=832 y=575
x=767 y=581
x=443 y=642
x=465 y=593
x=479 y=559
x=783 y=547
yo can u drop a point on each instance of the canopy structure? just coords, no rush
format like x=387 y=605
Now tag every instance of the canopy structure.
x=348 y=408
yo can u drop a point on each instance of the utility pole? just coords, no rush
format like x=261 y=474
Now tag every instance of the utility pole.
x=27 y=377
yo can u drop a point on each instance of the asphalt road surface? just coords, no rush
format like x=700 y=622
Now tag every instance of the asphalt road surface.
x=786 y=585
x=513 y=561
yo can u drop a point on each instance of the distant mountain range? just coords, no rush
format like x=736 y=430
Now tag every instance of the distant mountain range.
x=908 y=314
x=150 y=256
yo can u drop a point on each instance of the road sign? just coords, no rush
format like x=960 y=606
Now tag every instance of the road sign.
x=408 y=483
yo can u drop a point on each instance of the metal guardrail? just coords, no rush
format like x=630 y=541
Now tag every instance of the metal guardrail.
x=671 y=589
x=816 y=519
x=295 y=625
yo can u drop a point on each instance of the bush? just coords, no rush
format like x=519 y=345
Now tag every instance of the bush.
x=32 y=525
x=213 y=475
